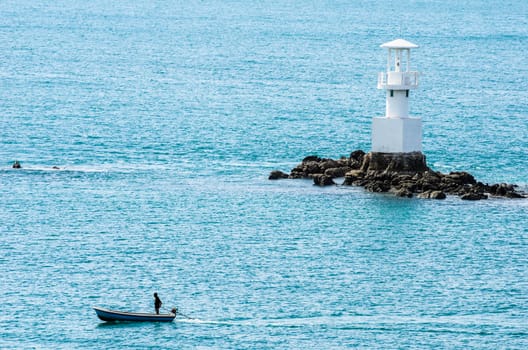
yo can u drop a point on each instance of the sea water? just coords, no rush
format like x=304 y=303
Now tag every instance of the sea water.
x=164 y=119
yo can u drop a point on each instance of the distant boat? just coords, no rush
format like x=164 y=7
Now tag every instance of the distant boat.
x=112 y=315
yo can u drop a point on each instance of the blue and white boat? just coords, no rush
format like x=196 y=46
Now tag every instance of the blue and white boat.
x=113 y=315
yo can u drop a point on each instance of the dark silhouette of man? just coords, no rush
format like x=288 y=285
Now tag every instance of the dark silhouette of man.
x=157 y=303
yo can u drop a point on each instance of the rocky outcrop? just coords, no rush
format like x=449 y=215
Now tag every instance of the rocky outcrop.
x=395 y=162
x=432 y=195
x=403 y=174
x=323 y=180
x=277 y=174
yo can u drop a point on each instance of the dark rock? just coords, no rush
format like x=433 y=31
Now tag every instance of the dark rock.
x=501 y=189
x=343 y=162
x=357 y=156
x=296 y=175
x=473 y=196
x=431 y=177
x=312 y=168
x=513 y=194
x=424 y=195
x=403 y=174
x=354 y=164
x=277 y=174
x=396 y=162
x=407 y=185
x=400 y=178
x=309 y=166
x=311 y=159
x=460 y=177
x=429 y=181
x=480 y=187
x=378 y=186
x=432 y=195
x=438 y=195
x=504 y=190
x=352 y=176
x=403 y=192
x=322 y=180
x=336 y=172
x=328 y=164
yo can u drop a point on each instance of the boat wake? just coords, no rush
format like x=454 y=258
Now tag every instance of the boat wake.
x=443 y=324
x=98 y=168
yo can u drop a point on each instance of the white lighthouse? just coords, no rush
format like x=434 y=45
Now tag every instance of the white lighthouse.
x=397 y=132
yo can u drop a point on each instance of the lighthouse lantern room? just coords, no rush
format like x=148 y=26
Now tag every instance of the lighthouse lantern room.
x=396 y=132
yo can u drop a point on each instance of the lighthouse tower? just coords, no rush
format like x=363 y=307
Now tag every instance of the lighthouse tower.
x=396 y=132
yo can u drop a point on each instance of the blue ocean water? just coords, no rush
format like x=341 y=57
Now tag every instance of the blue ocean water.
x=165 y=119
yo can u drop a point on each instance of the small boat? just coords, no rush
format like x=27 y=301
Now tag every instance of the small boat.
x=112 y=315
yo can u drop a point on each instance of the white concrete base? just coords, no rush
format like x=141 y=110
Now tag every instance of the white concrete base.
x=396 y=135
x=397 y=105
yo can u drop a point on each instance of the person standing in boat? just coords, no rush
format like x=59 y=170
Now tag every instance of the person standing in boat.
x=157 y=303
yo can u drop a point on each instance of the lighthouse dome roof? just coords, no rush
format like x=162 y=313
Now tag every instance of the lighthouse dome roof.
x=399 y=44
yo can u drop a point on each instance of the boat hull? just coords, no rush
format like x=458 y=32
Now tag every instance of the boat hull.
x=113 y=315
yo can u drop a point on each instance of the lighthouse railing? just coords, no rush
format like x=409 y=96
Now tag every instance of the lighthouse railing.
x=398 y=80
